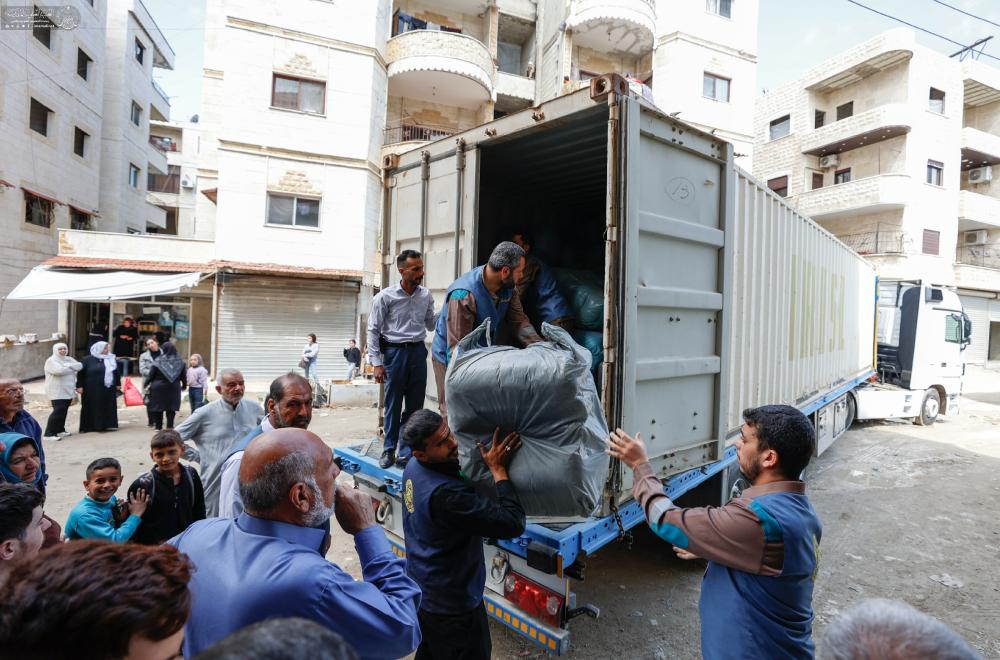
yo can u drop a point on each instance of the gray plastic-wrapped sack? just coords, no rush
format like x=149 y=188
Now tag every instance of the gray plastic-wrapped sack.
x=546 y=393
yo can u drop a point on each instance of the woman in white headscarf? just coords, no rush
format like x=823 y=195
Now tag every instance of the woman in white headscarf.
x=99 y=383
x=60 y=384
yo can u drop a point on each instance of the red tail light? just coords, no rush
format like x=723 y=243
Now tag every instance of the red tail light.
x=533 y=599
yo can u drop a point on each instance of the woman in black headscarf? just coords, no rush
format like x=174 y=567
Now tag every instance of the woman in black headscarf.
x=165 y=382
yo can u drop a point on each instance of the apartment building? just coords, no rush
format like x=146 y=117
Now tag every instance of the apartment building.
x=134 y=46
x=51 y=108
x=891 y=146
x=177 y=192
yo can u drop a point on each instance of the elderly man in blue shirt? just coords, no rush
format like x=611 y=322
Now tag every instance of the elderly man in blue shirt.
x=269 y=562
x=397 y=326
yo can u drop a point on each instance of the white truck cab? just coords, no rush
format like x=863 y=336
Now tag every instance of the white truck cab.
x=922 y=333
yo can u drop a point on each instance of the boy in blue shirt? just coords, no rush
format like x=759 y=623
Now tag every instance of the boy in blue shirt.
x=99 y=515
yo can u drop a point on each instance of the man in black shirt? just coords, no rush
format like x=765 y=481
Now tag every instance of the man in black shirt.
x=445 y=520
x=353 y=356
x=126 y=335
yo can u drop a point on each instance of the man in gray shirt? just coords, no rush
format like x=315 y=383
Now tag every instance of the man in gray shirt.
x=400 y=318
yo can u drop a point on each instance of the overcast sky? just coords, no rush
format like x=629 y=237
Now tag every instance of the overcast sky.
x=794 y=35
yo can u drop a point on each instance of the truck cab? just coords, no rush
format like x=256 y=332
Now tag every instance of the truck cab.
x=920 y=346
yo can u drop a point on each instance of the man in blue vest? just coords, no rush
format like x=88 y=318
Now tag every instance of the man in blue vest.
x=539 y=291
x=762 y=547
x=445 y=521
x=485 y=292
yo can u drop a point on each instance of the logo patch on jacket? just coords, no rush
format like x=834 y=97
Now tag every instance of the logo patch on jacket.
x=408 y=495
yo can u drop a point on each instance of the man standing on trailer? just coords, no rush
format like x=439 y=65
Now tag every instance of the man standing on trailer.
x=762 y=547
x=400 y=318
x=539 y=291
x=485 y=292
x=445 y=521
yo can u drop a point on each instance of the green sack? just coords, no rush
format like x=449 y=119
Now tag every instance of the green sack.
x=584 y=291
x=593 y=342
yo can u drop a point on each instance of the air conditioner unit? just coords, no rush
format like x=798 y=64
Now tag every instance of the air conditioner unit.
x=975 y=237
x=981 y=174
x=186 y=182
x=829 y=161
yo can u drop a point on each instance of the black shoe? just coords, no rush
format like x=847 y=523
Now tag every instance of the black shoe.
x=401 y=462
x=388 y=457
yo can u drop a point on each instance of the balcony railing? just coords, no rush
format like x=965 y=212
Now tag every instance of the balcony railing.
x=415 y=133
x=164 y=183
x=985 y=256
x=163 y=144
x=878 y=242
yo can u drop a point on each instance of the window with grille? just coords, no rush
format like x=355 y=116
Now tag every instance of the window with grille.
x=297 y=94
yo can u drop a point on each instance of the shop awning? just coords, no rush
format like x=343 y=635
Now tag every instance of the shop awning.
x=45 y=284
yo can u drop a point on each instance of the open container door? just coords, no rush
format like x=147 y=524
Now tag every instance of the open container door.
x=430 y=207
x=672 y=191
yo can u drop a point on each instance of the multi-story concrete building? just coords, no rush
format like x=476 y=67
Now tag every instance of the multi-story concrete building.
x=889 y=146
x=176 y=192
x=134 y=47
x=51 y=98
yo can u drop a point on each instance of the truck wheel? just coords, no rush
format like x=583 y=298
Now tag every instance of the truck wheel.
x=929 y=409
x=852 y=412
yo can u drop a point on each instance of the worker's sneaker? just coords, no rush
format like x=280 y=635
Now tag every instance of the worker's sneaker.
x=388 y=457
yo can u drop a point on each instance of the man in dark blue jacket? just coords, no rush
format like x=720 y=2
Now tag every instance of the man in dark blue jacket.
x=762 y=547
x=445 y=521
x=539 y=291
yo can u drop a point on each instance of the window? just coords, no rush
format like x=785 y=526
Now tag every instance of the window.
x=720 y=7
x=935 y=172
x=39 y=120
x=781 y=126
x=296 y=94
x=136 y=114
x=845 y=111
x=842 y=176
x=715 y=87
x=83 y=62
x=820 y=119
x=779 y=185
x=133 y=175
x=80 y=142
x=140 y=51
x=936 y=102
x=953 y=329
x=80 y=220
x=817 y=180
x=292 y=211
x=932 y=242
x=37 y=211
x=42 y=27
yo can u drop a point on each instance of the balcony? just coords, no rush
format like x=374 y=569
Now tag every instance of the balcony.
x=613 y=26
x=402 y=137
x=870 y=127
x=878 y=242
x=517 y=87
x=875 y=193
x=440 y=67
x=979 y=148
x=159 y=104
x=885 y=51
x=977 y=211
x=164 y=145
x=978 y=267
x=981 y=82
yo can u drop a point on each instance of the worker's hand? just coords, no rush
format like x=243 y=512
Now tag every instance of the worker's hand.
x=500 y=454
x=137 y=502
x=79 y=390
x=684 y=554
x=380 y=374
x=353 y=509
x=628 y=450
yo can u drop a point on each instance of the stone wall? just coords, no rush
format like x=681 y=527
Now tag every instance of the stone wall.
x=26 y=361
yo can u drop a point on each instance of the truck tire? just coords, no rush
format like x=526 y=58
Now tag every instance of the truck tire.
x=929 y=409
x=852 y=412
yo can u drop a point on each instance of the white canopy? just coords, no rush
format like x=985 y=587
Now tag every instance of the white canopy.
x=44 y=284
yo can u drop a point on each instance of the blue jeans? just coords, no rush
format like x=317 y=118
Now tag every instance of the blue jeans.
x=405 y=383
x=311 y=369
x=196 y=396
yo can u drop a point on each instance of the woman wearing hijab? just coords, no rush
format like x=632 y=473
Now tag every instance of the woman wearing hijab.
x=98 y=383
x=19 y=463
x=166 y=380
x=60 y=387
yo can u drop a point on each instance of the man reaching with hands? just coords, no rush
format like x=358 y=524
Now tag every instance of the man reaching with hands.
x=445 y=521
x=762 y=547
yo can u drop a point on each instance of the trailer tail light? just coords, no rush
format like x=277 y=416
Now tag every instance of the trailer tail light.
x=533 y=599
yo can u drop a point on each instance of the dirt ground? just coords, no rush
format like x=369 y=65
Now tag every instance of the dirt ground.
x=906 y=515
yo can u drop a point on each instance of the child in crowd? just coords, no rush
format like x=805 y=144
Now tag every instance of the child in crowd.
x=99 y=515
x=197 y=380
x=176 y=496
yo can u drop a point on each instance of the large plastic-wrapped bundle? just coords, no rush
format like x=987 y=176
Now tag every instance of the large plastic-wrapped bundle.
x=593 y=341
x=544 y=392
x=584 y=291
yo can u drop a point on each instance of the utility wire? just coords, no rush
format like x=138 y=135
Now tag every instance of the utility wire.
x=962 y=11
x=917 y=27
